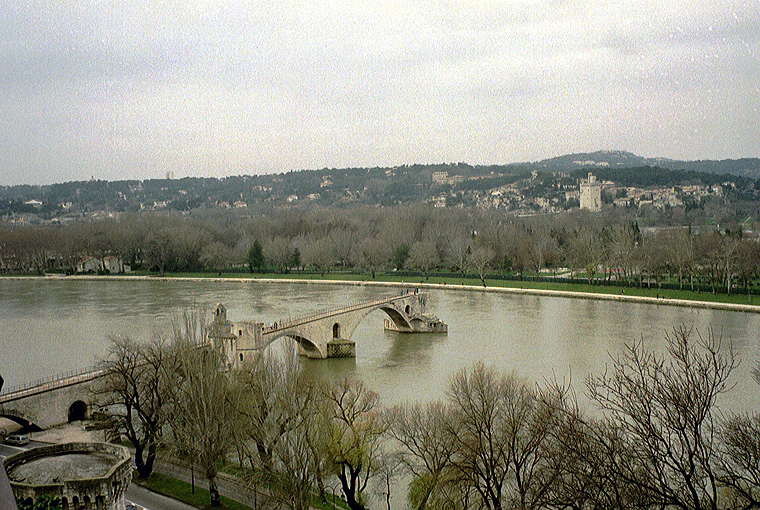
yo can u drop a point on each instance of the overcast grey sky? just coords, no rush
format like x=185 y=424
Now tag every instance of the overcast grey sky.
x=135 y=88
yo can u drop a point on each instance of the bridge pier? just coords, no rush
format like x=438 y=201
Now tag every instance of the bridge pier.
x=421 y=324
x=341 y=348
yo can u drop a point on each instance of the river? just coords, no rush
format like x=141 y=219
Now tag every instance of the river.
x=49 y=326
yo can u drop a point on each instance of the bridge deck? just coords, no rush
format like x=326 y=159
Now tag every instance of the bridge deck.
x=370 y=303
x=50 y=383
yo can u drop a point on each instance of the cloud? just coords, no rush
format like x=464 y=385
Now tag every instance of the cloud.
x=135 y=88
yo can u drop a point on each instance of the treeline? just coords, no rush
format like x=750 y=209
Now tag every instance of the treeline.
x=607 y=248
x=653 y=438
x=386 y=186
x=647 y=176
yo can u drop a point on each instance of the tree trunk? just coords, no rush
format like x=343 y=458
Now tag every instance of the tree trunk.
x=214 y=491
x=144 y=464
x=349 y=491
x=142 y=473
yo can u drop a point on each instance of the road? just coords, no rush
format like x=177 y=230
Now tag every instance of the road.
x=135 y=494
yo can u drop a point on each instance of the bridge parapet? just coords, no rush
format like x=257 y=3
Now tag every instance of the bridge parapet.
x=50 y=383
x=369 y=303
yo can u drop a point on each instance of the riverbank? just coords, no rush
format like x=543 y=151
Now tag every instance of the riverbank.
x=666 y=297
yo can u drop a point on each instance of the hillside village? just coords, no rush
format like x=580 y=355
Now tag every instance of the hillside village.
x=521 y=189
x=521 y=198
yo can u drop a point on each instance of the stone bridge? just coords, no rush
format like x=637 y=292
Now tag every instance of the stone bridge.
x=48 y=402
x=69 y=397
x=324 y=334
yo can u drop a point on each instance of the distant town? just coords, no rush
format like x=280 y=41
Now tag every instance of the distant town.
x=583 y=181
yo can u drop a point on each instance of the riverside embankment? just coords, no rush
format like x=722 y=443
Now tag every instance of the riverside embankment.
x=606 y=296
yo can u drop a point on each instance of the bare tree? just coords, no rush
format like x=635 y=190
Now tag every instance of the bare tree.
x=216 y=256
x=679 y=247
x=158 y=249
x=543 y=250
x=740 y=460
x=747 y=263
x=279 y=251
x=135 y=391
x=423 y=256
x=502 y=432
x=519 y=248
x=459 y=249
x=623 y=241
x=663 y=409
x=318 y=253
x=480 y=433
x=270 y=386
x=426 y=448
x=586 y=250
x=740 y=457
x=285 y=428
x=480 y=262
x=372 y=254
x=356 y=427
x=204 y=404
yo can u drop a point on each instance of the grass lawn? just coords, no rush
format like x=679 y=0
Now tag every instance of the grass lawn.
x=736 y=298
x=182 y=491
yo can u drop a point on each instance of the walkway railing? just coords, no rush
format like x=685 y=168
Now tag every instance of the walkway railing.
x=58 y=381
x=279 y=326
x=50 y=383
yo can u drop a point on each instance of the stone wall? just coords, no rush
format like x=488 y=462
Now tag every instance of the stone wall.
x=49 y=408
x=86 y=492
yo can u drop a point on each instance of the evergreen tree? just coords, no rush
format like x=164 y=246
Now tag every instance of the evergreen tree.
x=256 y=257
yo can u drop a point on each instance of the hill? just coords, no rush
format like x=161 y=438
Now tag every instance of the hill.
x=745 y=167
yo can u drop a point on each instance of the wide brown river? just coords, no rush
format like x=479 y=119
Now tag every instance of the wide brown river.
x=50 y=326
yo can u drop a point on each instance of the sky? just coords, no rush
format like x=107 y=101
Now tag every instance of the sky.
x=133 y=89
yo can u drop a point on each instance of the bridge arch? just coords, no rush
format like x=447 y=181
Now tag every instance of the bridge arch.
x=20 y=418
x=336 y=330
x=307 y=345
x=77 y=411
x=400 y=320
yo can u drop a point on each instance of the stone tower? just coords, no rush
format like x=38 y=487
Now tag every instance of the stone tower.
x=591 y=194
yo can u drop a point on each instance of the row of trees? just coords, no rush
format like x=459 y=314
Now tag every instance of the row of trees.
x=292 y=431
x=655 y=439
x=609 y=246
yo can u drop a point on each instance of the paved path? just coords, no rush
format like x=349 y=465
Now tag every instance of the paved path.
x=150 y=500
x=229 y=486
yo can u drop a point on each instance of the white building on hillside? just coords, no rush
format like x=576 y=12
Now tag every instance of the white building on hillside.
x=591 y=194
